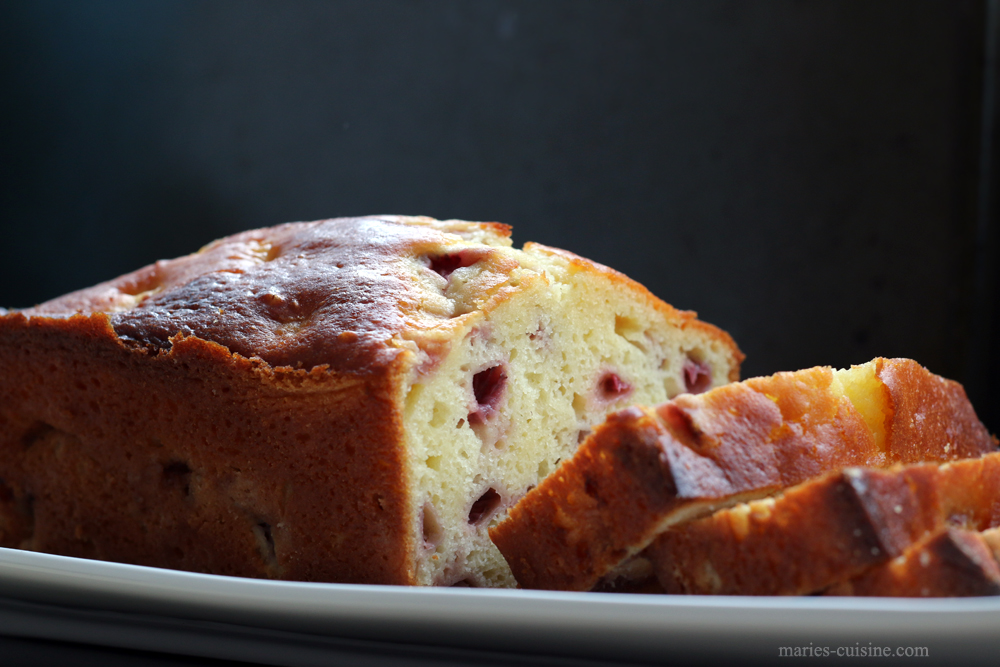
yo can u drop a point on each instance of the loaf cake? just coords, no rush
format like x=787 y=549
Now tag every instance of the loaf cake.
x=350 y=400
x=647 y=469
x=827 y=530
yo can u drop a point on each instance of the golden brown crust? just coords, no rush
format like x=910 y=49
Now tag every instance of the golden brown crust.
x=330 y=292
x=949 y=563
x=643 y=470
x=912 y=428
x=825 y=530
x=198 y=459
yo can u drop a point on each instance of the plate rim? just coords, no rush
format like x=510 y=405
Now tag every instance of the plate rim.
x=559 y=623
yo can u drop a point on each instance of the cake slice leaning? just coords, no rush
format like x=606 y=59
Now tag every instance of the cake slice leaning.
x=825 y=530
x=350 y=400
x=952 y=562
x=647 y=469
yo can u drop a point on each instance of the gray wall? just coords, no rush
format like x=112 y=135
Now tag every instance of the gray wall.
x=802 y=174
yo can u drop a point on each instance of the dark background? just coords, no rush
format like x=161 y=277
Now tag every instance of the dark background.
x=815 y=177
x=807 y=175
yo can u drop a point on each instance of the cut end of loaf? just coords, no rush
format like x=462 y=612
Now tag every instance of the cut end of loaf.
x=527 y=375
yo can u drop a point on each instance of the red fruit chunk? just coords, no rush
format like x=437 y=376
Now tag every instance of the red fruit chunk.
x=445 y=265
x=613 y=387
x=487 y=386
x=484 y=507
x=697 y=376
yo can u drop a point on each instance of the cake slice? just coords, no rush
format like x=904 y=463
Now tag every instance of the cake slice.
x=950 y=563
x=647 y=469
x=826 y=530
x=351 y=400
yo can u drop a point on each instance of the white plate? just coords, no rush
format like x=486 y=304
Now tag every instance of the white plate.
x=126 y=606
